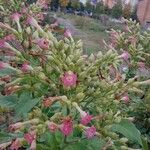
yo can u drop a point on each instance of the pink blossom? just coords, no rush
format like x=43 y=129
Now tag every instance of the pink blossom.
x=30 y=137
x=125 y=55
x=141 y=64
x=67 y=127
x=16 y=126
x=69 y=79
x=16 y=17
x=24 y=10
x=90 y=132
x=42 y=43
x=3 y=65
x=33 y=23
x=42 y=3
x=33 y=145
x=26 y=67
x=9 y=37
x=125 y=98
x=67 y=33
x=4 y=145
x=15 y=145
x=52 y=127
x=86 y=118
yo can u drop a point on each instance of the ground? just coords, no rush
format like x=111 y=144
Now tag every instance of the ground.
x=91 y=31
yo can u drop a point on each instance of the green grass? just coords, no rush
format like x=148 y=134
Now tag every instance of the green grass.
x=92 y=32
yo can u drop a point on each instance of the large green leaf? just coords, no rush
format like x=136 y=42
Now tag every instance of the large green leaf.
x=128 y=129
x=5 y=137
x=91 y=144
x=8 y=101
x=7 y=71
x=26 y=104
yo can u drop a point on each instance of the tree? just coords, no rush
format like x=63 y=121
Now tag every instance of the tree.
x=127 y=11
x=75 y=4
x=89 y=6
x=116 y=11
x=63 y=3
x=99 y=9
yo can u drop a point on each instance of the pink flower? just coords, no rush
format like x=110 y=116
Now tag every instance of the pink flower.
x=125 y=98
x=3 y=65
x=125 y=55
x=26 y=67
x=90 y=132
x=16 y=126
x=24 y=10
x=141 y=64
x=42 y=3
x=69 y=79
x=4 y=145
x=15 y=145
x=42 y=43
x=86 y=118
x=67 y=33
x=30 y=137
x=16 y=17
x=33 y=23
x=52 y=127
x=67 y=127
x=33 y=145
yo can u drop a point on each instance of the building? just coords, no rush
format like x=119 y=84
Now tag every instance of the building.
x=143 y=11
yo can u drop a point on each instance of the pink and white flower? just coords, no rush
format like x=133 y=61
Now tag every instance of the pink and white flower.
x=86 y=118
x=125 y=98
x=125 y=55
x=26 y=67
x=33 y=145
x=66 y=127
x=42 y=43
x=16 y=17
x=33 y=22
x=90 y=132
x=3 y=65
x=52 y=127
x=67 y=33
x=15 y=144
x=16 y=126
x=69 y=79
x=30 y=137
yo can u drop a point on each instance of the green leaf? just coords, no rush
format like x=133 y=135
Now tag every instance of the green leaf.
x=128 y=129
x=6 y=71
x=8 y=101
x=144 y=144
x=91 y=144
x=5 y=137
x=25 y=105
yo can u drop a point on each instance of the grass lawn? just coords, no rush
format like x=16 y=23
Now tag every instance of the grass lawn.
x=91 y=31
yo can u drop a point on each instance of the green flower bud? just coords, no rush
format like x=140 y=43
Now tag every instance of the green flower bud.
x=41 y=75
x=80 y=96
x=123 y=140
x=118 y=119
x=35 y=35
x=28 y=30
x=124 y=148
x=64 y=98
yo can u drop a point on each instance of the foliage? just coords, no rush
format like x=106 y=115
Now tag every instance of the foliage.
x=61 y=98
x=127 y=11
x=116 y=11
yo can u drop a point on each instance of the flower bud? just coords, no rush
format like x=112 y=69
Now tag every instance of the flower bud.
x=28 y=30
x=80 y=96
x=123 y=140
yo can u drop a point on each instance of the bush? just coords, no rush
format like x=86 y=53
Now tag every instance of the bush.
x=61 y=98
